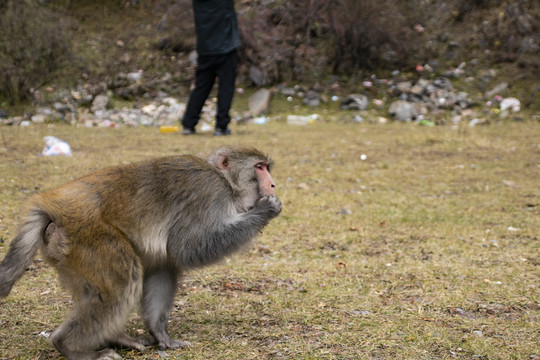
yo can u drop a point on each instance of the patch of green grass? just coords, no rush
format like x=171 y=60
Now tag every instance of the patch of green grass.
x=427 y=249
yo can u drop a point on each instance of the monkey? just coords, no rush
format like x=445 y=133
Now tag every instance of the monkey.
x=122 y=236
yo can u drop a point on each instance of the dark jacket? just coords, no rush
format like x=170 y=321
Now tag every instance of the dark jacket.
x=216 y=26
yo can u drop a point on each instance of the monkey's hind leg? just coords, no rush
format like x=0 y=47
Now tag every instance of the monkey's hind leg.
x=106 y=281
x=158 y=295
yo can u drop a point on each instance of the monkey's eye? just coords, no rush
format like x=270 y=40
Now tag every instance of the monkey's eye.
x=260 y=166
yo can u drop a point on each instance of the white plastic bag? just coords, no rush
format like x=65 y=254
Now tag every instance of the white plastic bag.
x=55 y=146
x=510 y=103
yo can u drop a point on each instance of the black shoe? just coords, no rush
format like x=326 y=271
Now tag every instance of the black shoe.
x=188 y=131
x=222 y=132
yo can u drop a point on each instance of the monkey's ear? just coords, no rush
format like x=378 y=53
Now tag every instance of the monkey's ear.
x=222 y=162
x=221 y=158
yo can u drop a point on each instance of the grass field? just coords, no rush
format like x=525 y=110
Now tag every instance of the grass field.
x=426 y=249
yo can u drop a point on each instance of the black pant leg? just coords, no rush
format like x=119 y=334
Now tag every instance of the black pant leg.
x=226 y=73
x=205 y=76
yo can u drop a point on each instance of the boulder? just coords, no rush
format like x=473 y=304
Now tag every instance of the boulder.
x=257 y=76
x=312 y=98
x=100 y=102
x=402 y=111
x=259 y=102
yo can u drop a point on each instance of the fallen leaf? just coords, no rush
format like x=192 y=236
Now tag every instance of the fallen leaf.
x=233 y=286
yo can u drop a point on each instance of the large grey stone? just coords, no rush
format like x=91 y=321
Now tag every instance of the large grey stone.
x=259 y=102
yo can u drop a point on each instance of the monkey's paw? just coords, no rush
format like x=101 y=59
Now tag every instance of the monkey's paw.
x=174 y=344
x=270 y=204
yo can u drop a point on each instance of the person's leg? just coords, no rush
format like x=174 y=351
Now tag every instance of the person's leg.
x=226 y=73
x=205 y=76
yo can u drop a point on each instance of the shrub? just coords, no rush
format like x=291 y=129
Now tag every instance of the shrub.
x=309 y=39
x=33 y=46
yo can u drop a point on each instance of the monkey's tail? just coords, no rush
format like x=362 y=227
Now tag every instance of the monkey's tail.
x=23 y=249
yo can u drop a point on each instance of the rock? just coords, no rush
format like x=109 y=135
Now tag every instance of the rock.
x=45 y=114
x=38 y=118
x=257 y=76
x=462 y=100
x=443 y=83
x=312 y=98
x=3 y=114
x=355 y=102
x=16 y=120
x=402 y=111
x=456 y=119
x=166 y=77
x=135 y=76
x=457 y=72
x=149 y=109
x=100 y=102
x=96 y=89
x=443 y=37
x=120 y=80
x=126 y=93
x=287 y=91
x=259 y=102
x=125 y=58
x=175 y=112
x=529 y=46
x=404 y=86
x=417 y=89
x=63 y=108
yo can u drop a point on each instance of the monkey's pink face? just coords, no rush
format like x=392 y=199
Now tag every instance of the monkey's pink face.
x=266 y=183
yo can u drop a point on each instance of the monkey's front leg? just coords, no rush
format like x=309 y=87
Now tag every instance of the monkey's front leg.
x=158 y=294
x=126 y=341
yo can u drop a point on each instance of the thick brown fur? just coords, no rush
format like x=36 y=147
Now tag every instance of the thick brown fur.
x=121 y=237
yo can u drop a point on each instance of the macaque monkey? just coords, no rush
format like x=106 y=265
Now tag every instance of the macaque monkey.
x=122 y=236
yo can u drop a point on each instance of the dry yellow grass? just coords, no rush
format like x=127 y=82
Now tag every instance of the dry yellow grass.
x=427 y=249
